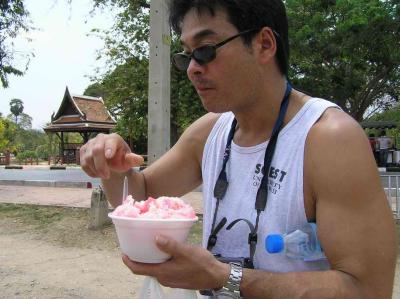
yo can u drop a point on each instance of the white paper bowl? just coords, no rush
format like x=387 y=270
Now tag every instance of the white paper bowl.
x=136 y=236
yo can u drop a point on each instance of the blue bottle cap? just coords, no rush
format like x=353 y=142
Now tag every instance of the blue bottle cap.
x=274 y=243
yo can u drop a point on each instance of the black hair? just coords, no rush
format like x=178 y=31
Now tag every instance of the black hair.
x=244 y=15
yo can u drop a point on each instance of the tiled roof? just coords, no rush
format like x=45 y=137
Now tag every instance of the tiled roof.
x=95 y=110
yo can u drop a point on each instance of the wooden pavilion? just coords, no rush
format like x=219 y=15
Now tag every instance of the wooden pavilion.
x=81 y=114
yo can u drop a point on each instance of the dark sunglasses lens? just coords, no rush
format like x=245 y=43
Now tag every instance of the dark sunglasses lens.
x=204 y=54
x=181 y=61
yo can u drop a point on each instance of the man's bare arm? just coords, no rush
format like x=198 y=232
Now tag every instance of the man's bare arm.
x=355 y=224
x=355 y=227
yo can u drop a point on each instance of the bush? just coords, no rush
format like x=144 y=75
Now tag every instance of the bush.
x=26 y=155
x=42 y=151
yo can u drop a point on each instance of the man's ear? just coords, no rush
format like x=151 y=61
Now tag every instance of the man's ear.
x=267 y=46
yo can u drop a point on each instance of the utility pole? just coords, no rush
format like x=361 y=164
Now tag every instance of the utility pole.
x=159 y=81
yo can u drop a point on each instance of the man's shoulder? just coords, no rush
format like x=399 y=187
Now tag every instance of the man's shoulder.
x=336 y=125
x=197 y=133
x=203 y=125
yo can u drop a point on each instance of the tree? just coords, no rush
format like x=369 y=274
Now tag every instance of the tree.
x=3 y=140
x=16 y=108
x=347 y=51
x=30 y=139
x=333 y=54
x=14 y=18
x=25 y=121
x=8 y=130
x=125 y=90
x=125 y=84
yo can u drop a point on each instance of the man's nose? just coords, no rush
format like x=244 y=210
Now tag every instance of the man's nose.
x=194 y=68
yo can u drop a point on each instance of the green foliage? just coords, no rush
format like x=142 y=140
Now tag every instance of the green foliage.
x=347 y=51
x=42 y=151
x=14 y=18
x=24 y=121
x=26 y=155
x=96 y=90
x=125 y=94
x=3 y=140
x=52 y=145
x=389 y=115
x=8 y=132
x=124 y=86
x=30 y=139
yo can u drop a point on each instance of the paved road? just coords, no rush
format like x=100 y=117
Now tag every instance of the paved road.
x=73 y=175
x=68 y=175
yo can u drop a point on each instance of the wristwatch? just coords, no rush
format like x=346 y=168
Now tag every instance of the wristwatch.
x=232 y=288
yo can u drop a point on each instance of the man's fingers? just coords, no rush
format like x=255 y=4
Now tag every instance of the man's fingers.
x=99 y=160
x=86 y=162
x=110 y=148
x=140 y=268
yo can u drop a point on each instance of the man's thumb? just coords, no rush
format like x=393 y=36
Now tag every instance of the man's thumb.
x=133 y=159
x=168 y=245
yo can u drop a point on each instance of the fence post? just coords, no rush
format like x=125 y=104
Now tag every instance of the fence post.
x=98 y=209
x=77 y=156
x=8 y=157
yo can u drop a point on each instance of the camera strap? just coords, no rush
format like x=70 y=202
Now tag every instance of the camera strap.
x=221 y=186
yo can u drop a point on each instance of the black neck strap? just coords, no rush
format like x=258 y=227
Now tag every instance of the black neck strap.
x=221 y=186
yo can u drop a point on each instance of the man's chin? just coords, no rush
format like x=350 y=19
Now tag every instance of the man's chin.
x=213 y=105
x=215 y=109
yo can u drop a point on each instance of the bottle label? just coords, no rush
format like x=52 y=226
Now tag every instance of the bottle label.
x=319 y=252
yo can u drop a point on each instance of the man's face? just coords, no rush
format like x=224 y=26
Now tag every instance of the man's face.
x=227 y=82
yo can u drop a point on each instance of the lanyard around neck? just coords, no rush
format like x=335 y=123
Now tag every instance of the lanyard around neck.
x=221 y=186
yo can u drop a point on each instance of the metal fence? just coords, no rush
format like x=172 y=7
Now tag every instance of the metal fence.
x=391 y=184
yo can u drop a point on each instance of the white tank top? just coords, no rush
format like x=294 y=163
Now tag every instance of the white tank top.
x=285 y=207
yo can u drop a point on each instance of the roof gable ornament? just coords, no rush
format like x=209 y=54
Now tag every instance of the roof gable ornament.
x=67 y=107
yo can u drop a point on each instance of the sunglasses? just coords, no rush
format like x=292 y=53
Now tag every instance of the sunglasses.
x=203 y=54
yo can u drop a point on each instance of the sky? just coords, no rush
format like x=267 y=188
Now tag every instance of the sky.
x=64 y=56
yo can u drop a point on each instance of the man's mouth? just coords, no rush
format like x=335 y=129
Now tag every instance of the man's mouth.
x=201 y=88
x=202 y=85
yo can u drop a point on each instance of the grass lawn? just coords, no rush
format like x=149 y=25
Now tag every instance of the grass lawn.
x=67 y=226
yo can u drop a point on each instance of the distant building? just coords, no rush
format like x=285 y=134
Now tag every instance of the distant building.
x=81 y=114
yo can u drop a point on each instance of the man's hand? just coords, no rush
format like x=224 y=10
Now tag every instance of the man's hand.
x=107 y=153
x=190 y=267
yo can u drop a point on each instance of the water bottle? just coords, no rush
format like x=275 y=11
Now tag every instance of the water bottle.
x=301 y=244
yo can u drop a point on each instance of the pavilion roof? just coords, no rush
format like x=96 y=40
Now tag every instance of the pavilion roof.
x=382 y=124
x=79 y=113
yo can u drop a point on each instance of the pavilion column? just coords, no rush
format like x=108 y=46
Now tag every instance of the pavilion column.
x=159 y=82
x=62 y=148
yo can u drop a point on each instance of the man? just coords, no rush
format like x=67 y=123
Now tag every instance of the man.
x=373 y=142
x=385 y=143
x=235 y=55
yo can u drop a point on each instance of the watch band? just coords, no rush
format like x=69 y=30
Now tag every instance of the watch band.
x=232 y=287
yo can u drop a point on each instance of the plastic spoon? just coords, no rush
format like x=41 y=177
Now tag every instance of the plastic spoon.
x=125 y=190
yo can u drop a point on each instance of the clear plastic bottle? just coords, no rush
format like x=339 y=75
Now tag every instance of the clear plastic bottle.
x=302 y=244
